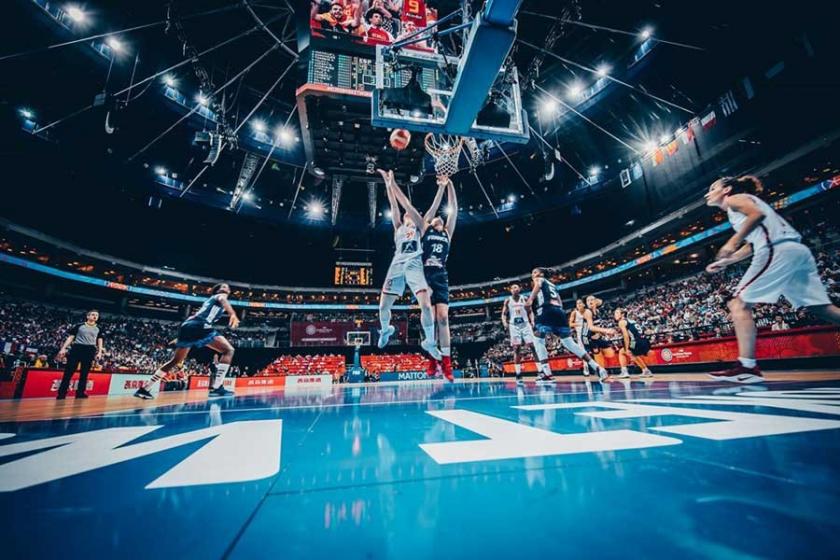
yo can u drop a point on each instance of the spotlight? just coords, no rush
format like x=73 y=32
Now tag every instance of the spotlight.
x=649 y=146
x=76 y=14
x=603 y=70
x=594 y=171
x=575 y=90
x=284 y=136
x=319 y=172
x=646 y=33
x=27 y=113
x=511 y=198
x=247 y=197
x=202 y=100
x=315 y=209
x=160 y=170
x=664 y=138
x=388 y=214
x=549 y=106
x=447 y=210
x=258 y=125
x=169 y=80
x=115 y=44
x=414 y=179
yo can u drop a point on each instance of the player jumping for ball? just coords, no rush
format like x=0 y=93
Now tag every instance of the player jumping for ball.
x=781 y=266
x=550 y=318
x=196 y=332
x=406 y=268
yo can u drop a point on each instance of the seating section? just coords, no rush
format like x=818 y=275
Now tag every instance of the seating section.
x=382 y=363
x=306 y=365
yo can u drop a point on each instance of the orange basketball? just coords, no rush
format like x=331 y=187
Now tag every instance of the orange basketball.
x=400 y=139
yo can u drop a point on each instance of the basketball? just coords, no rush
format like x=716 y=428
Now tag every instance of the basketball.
x=400 y=139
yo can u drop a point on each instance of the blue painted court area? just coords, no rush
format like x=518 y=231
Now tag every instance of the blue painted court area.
x=417 y=470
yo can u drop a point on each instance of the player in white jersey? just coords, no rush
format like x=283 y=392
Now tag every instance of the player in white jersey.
x=781 y=266
x=406 y=268
x=576 y=318
x=518 y=319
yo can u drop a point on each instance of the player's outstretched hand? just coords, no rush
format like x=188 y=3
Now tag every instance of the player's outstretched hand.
x=233 y=322
x=387 y=176
x=443 y=180
x=717 y=266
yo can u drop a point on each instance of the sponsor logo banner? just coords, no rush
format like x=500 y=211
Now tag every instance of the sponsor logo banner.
x=44 y=383
x=322 y=333
x=127 y=383
x=203 y=382
x=308 y=380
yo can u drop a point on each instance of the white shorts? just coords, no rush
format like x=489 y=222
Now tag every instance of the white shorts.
x=521 y=333
x=786 y=269
x=409 y=272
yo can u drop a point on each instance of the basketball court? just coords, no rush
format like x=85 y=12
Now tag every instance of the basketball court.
x=677 y=466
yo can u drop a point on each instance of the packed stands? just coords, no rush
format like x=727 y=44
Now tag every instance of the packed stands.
x=306 y=365
x=383 y=363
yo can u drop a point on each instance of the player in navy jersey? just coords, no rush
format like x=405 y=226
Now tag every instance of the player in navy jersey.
x=595 y=335
x=781 y=266
x=634 y=344
x=550 y=318
x=196 y=332
x=406 y=268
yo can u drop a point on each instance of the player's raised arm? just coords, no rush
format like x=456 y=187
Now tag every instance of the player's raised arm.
x=452 y=201
x=433 y=209
x=403 y=201
x=396 y=213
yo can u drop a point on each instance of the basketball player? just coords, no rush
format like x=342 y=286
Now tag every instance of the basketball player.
x=435 y=240
x=781 y=266
x=594 y=333
x=518 y=319
x=550 y=318
x=406 y=268
x=197 y=331
x=634 y=345
x=576 y=323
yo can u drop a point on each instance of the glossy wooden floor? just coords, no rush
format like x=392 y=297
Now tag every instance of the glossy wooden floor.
x=50 y=409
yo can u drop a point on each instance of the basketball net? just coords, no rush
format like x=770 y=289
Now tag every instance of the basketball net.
x=445 y=149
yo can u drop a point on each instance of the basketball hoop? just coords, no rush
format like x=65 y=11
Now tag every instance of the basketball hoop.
x=445 y=149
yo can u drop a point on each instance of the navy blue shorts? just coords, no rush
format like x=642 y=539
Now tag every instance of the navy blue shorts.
x=640 y=347
x=552 y=322
x=195 y=335
x=594 y=345
x=438 y=280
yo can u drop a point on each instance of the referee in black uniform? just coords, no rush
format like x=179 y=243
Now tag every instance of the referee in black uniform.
x=82 y=346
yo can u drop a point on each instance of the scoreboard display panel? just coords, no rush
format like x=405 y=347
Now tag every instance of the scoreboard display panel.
x=353 y=274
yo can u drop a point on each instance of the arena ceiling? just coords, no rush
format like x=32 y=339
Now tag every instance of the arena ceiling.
x=93 y=187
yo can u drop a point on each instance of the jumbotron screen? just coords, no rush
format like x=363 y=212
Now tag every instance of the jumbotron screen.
x=353 y=274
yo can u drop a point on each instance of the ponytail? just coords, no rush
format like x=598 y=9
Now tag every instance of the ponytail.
x=747 y=184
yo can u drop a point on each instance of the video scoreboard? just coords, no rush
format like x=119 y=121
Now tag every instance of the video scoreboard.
x=353 y=274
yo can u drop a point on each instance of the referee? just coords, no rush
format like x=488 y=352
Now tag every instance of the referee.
x=82 y=346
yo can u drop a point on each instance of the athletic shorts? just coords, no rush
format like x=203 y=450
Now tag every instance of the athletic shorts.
x=552 y=321
x=594 y=345
x=521 y=333
x=785 y=269
x=438 y=280
x=195 y=334
x=640 y=347
x=402 y=273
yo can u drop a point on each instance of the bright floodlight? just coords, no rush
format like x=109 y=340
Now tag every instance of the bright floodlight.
x=511 y=198
x=575 y=90
x=388 y=214
x=594 y=171
x=664 y=138
x=248 y=197
x=603 y=69
x=201 y=99
x=285 y=136
x=646 y=33
x=650 y=146
x=26 y=113
x=160 y=170
x=169 y=80
x=315 y=209
x=549 y=106
x=258 y=125
x=76 y=14
x=115 y=44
